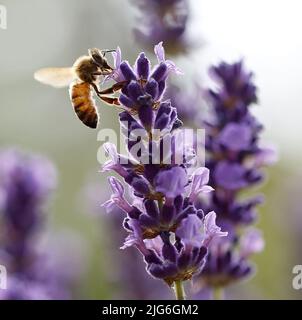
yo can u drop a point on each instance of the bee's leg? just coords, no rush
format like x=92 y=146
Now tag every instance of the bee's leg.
x=95 y=87
x=102 y=73
x=116 y=87
x=110 y=100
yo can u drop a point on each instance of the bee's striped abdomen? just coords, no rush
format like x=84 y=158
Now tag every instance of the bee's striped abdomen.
x=84 y=104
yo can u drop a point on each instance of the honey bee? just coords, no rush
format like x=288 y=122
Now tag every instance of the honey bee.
x=83 y=78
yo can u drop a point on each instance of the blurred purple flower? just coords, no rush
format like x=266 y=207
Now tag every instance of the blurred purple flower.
x=230 y=176
x=251 y=242
x=166 y=21
x=25 y=186
x=20 y=289
x=228 y=263
x=235 y=137
x=188 y=103
x=232 y=143
x=235 y=160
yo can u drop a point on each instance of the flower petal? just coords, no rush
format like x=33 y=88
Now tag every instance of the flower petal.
x=206 y=189
x=116 y=186
x=190 y=231
x=110 y=149
x=159 y=52
x=212 y=231
x=117 y=57
x=171 y=182
x=251 y=242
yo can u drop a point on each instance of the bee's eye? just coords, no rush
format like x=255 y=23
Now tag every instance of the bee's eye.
x=96 y=56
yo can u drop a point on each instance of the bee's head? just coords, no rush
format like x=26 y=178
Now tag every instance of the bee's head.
x=98 y=57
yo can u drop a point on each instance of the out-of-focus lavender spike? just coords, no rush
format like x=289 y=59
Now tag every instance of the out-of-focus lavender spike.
x=235 y=160
x=166 y=21
x=188 y=104
x=26 y=182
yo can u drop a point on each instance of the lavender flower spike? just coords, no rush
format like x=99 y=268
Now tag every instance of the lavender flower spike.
x=234 y=158
x=166 y=21
x=26 y=181
x=161 y=218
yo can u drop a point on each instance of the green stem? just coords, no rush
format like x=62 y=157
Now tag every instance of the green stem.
x=218 y=293
x=179 y=290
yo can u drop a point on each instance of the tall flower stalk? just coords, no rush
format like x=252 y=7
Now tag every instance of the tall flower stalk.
x=235 y=159
x=161 y=219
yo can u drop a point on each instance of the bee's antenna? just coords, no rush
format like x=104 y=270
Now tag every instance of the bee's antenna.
x=107 y=51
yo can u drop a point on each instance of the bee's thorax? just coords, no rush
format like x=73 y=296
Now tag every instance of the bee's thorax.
x=86 y=69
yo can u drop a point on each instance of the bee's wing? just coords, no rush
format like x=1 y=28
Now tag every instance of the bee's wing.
x=56 y=77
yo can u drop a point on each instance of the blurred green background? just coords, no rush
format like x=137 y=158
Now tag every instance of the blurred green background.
x=40 y=119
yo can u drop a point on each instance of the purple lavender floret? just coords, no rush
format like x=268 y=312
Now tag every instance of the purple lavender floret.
x=228 y=261
x=133 y=281
x=180 y=260
x=144 y=86
x=163 y=21
x=162 y=191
